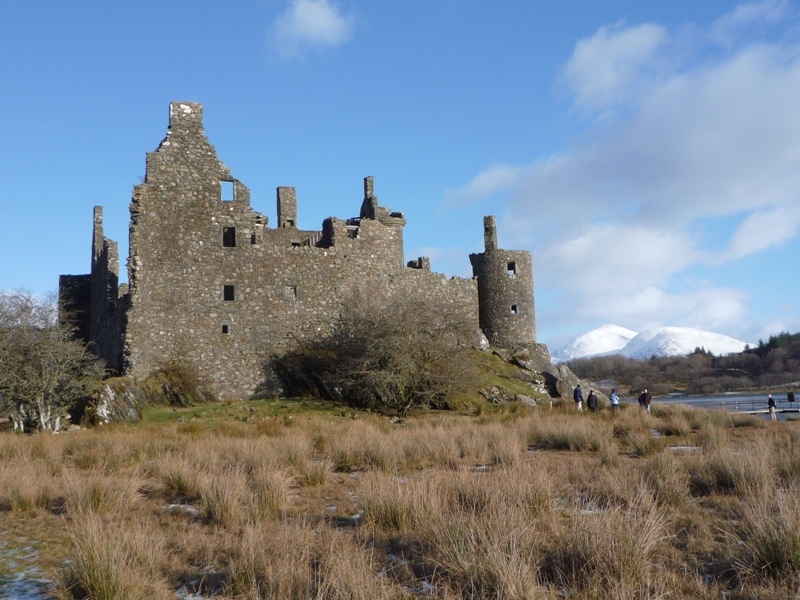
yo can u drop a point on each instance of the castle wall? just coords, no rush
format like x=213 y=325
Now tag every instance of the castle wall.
x=211 y=284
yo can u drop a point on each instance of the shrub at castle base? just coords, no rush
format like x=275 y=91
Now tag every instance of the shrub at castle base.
x=211 y=285
x=386 y=354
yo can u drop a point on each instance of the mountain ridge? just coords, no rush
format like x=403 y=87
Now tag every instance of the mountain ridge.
x=663 y=341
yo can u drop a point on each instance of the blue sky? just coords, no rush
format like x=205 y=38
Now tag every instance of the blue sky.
x=647 y=154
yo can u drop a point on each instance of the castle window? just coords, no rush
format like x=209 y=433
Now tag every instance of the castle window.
x=290 y=222
x=228 y=294
x=513 y=309
x=512 y=269
x=224 y=329
x=295 y=243
x=293 y=292
x=229 y=237
x=253 y=239
x=226 y=191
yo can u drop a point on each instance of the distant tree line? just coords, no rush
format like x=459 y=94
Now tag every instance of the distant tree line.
x=772 y=363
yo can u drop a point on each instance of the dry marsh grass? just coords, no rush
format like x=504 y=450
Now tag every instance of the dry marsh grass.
x=521 y=504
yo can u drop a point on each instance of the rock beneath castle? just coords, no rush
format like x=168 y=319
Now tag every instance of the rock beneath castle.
x=119 y=400
x=525 y=400
x=481 y=342
x=495 y=395
x=535 y=358
x=560 y=381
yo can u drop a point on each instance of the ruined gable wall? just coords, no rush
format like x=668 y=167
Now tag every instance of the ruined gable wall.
x=177 y=217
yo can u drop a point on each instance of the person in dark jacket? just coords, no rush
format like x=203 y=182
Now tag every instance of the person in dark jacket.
x=790 y=397
x=771 y=405
x=645 y=398
x=591 y=401
x=577 y=395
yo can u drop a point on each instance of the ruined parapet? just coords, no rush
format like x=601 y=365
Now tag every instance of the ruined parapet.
x=505 y=292
x=333 y=230
x=287 y=207
x=423 y=263
x=489 y=233
x=371 y=209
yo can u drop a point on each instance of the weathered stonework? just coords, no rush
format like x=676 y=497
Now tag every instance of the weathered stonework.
x=211 y=284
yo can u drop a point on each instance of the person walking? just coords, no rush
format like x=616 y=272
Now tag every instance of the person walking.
x=591 y=401
x=614 y=400
x=577 y=395
x=790 y=398
x=645 y=398
x=771 y=405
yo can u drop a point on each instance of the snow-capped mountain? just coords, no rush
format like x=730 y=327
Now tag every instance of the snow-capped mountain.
x=679 y=341
x=665 y=341
x=603 y=340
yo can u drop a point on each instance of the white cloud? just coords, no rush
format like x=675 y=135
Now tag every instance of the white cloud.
x=497 y=178
x=309 y=24
x=609 y=258
x=762 y=230
x=726 y=27
x=602 y=68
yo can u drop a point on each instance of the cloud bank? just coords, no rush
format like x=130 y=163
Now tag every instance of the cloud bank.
x=685 y=133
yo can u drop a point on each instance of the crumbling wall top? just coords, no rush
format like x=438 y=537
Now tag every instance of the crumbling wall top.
x=185 y=114
x=489 y=233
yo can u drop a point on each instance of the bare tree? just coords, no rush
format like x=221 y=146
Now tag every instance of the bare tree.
x=43 y=370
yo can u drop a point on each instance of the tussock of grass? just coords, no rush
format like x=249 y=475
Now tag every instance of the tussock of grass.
x=606 y=550
x=99 y=493
x=667 y=477
x=563 y=432
x=769 y=537
x=744 y=472
x=25 y=488
x=224 y=496
x=180 y=479
x=111 y=565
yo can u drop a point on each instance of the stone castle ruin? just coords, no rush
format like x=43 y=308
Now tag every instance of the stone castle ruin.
x=212 y=284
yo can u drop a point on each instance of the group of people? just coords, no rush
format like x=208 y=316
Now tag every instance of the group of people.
x=592 y=401
x=645 y=399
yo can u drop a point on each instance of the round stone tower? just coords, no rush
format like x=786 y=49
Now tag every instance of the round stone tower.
x=505 y=292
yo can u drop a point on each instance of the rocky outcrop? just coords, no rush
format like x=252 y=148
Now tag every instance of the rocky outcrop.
x=118 y=400
x=534 y=366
